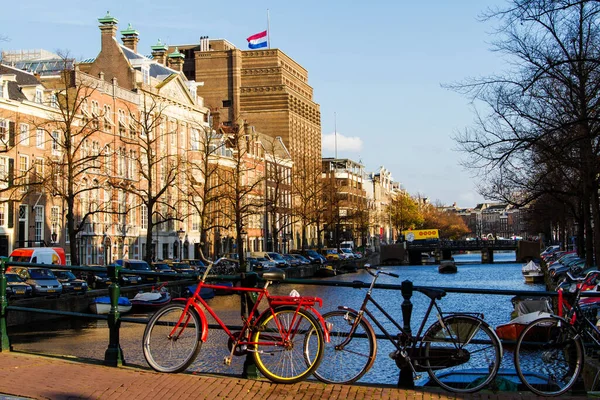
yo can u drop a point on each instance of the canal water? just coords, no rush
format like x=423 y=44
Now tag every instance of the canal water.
x=89 y=339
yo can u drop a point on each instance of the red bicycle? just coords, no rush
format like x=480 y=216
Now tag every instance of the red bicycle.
x=286 y=339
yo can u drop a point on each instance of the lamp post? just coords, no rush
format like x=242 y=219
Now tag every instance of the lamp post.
x=53 y=237
x=181 y=235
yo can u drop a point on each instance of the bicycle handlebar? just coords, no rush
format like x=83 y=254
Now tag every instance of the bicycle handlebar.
x=381 y=272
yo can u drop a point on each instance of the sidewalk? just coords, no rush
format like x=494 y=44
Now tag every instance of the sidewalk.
x=40 y=377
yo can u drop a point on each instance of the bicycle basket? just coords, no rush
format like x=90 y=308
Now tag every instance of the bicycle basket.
x=455 y=330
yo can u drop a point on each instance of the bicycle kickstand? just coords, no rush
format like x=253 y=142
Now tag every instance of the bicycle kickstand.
x=406 y=357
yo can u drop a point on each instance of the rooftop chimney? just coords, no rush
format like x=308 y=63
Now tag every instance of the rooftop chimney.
x=108 y=28
x=159 y=52
x=176 y=60
x=130 y=38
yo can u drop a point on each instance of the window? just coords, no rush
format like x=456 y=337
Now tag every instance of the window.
x=24 y=134
x=144 y=216
x=53 y=100
x=226 y=103
x=4 y=176
x=39 y=223
x=55 y=144
x=95 y=115
x=195 y=220
x=107 y=205
x=96 y=156
x=146 y=74
x=195 y=140
x=39 y=138
x=2 y=86
x=39 y=93
x=122 y=123
x=23 y=167
x=38 y=170
x=54 y=218
x=2 y=214
x=4 y=130
x=107 y=161
x=107 y=118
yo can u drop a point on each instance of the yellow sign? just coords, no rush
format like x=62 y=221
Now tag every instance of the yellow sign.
x=421 y=234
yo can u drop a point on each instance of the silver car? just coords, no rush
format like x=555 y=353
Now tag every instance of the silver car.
x=42 y=280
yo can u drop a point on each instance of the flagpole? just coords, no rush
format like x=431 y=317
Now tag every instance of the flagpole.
x=268 y=30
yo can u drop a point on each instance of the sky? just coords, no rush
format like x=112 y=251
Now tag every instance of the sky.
x=376 y=68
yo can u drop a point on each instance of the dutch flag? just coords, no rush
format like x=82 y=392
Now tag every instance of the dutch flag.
x=258 y=40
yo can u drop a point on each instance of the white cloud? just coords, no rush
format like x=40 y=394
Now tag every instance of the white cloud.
x=344 y=143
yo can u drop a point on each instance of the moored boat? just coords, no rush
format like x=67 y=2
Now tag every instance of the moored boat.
x=326 y=271
x=511 y=330
x=205 y=292
x=101 y=305
x=447 y=267
x=532 y=272
x=151 y=299
x=226 y=288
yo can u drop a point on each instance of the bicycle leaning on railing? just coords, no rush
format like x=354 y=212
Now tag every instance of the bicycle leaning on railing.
x=460 y=352
x=549 y=353
x=286 y=339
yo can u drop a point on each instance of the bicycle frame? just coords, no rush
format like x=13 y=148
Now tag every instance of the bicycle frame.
x=404 y=336
x=242 y=338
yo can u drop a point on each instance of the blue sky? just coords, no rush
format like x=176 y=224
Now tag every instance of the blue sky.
x=377 y=66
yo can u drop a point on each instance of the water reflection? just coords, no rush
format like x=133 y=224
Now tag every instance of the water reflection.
x=90 y=339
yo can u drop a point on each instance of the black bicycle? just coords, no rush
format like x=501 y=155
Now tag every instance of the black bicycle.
x=460 y=351
x=550 y=352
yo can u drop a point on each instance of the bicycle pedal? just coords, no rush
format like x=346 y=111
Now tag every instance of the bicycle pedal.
x=394 y=354
x=417 y=377
x=227 y=360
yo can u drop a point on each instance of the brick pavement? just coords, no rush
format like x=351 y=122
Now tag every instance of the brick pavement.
x=42 y=377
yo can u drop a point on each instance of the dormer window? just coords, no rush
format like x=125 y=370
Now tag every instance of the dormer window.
x=53 y=100
x=146 y=74
x=39 y=95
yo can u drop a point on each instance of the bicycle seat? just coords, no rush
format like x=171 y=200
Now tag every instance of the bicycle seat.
x=433 y=293
x=277 y=275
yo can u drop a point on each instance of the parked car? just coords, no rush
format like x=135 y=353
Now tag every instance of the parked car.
x=163 y=269
x=277 y=259
x=139 y=266
x=331 y=254
x=349 y=254
x=127 y=279
x=303 y=260
x=293 y=261
x=183 y=268
x=16 y=287
x=69 y=282
x=96 y=279
x=197 y=264
x=42 y=280
x=312 y=255
x=260 y=263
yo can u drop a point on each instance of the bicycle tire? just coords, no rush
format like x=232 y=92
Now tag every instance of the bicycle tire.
x=347 y=365
x=549 y=356
x=165 y=353
x=462 y=354
x=288 y=363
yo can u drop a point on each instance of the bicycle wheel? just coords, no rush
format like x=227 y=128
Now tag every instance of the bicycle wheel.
x=172 y=353
x=462 y=354
x=549 y=356
x=281 y=360
x=349 y=364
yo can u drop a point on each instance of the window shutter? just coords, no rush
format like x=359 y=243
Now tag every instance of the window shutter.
x=11 y=172
x=11 y=133
x=11 y=214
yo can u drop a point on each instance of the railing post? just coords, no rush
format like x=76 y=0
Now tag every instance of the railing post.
x=114 y=355
x=4 y=342
x=405 y=380
x=250 y=280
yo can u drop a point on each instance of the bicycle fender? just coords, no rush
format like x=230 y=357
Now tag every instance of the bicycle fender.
x=322 y=321
x=204 y=321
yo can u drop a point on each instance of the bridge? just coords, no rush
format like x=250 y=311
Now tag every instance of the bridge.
x=442 y=249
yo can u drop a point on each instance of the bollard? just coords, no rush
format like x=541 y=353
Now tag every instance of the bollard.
x=4 y=342
x=114 y=355
x=405 y=380
x=249 y=279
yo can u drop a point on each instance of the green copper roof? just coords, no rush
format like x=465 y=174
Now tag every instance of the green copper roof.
x=159 y=46
x=108 y=19
x=129 y=31
x=176 y=54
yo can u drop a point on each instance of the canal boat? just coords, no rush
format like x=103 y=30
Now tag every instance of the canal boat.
x=101 y=305
x=511 y=330
x=226 y=288
x=206 y=293
x=326 y=271
x=447 y=267
x=157 y=297
x=532 y=272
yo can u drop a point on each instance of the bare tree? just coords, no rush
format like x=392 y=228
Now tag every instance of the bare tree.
x=243 y=191
x=543 y=114
x=158 y=163
x=206 y=190
x=307 y=193
x=72 y=169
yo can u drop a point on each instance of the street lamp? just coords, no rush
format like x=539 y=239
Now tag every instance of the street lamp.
x=53 y=237
x=181 y=235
